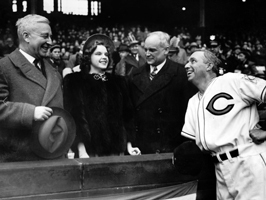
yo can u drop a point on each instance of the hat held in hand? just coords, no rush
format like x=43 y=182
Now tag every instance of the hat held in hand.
x=53 y=137
x=187 y=158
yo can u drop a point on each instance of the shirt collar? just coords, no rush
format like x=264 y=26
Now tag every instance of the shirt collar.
x=27 y=56
x=159 y=67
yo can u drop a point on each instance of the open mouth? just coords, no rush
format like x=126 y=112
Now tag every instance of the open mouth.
x=189 y=72
x=103 y=62
x=45 y=47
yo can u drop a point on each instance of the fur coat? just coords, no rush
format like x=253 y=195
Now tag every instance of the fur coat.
x=102 y=111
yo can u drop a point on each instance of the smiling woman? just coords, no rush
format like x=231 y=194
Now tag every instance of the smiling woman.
x=99 y=103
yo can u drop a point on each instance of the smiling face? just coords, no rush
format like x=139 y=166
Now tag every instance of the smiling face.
x=196 y=67
x=99 y=59
x=38 y=39
x=155 y=53
x=134 y=48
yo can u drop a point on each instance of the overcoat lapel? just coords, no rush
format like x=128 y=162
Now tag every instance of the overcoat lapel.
x=30 y=71
x=161 y=80
x=50 y=84
x=141 y=79
x=53 y=83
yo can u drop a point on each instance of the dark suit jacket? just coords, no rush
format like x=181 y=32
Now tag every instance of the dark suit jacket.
x=22 y=88
x=160 y=106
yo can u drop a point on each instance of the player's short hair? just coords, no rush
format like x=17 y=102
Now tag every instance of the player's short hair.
x=210 y=57
x=164 y=38
x=28 y=22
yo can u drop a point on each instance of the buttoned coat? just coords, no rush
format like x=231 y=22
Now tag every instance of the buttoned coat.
x=22 y=88
x=160 y=106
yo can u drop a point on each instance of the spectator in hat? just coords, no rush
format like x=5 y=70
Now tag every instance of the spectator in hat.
x=245 y=65
x=215 y=47
x=136 y=51
x=29 y=87
x=99 y=103
x=182 y=54
x=56 y=59
x=127 y=62
x=173 y=53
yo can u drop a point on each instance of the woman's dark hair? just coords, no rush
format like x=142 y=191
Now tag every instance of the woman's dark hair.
x=85 y=64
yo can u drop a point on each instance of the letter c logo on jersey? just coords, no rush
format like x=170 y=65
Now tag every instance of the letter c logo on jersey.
x=214 y=111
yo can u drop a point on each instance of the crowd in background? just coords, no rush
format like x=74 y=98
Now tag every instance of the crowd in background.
x=227 y=46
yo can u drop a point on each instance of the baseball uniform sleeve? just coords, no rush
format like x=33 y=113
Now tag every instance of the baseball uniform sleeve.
x=252 y=89
x=188 y=129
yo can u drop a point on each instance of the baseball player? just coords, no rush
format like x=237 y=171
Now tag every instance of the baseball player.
x=223 y=120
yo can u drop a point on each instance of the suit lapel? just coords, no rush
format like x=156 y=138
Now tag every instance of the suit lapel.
x=53 y=83
x=30 y=71
x=141 y=80
x=50 y=84
x=161 y=80
x=141 y=61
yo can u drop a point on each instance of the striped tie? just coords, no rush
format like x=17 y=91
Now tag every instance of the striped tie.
x=153 y=73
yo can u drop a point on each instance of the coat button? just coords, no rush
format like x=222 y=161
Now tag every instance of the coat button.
x=160 y=110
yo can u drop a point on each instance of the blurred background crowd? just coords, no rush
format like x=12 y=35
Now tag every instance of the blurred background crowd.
x=239 y=51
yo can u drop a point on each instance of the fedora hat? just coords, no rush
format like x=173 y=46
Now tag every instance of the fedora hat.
x=99 y=38
x=53 y=137
x=123 y=47
x=173 y=49
x=187 y=158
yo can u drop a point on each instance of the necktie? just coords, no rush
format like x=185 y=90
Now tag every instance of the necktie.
x=39 y=65
x=136 y=57
x=153 y=73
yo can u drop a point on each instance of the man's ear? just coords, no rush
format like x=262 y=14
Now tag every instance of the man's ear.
x=26 y=36
x=166 y=50
x=209 y=66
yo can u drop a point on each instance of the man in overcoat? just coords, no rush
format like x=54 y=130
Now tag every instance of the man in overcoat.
x=29 y=86
x=160 y=93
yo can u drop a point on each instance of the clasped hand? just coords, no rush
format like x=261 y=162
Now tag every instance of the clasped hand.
x=42 y=113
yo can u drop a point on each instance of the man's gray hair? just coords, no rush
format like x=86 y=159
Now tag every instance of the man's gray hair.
x=210 y=57
x=28 y=23
x=164 y=38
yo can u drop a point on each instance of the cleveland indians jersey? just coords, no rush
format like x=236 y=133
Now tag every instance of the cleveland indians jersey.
x=221 y=118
